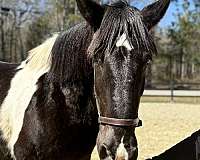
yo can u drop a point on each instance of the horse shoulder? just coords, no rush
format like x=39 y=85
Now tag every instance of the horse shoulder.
x=51 y=119
x=7 y=72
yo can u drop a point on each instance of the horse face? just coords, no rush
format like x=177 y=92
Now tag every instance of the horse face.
x=121 y=49
x=118 y=86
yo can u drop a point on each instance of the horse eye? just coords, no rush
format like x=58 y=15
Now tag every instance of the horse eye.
x=146 y=63
x=147 y=59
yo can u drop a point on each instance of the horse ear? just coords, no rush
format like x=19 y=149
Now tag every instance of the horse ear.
x=91 y=11
x=153 y=13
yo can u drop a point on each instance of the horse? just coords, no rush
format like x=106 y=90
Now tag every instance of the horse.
x=81 y=87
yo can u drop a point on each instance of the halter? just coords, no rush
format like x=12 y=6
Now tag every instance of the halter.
x=120 y=122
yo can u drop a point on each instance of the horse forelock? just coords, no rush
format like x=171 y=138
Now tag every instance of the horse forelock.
x=118 y=22
x=22 y=87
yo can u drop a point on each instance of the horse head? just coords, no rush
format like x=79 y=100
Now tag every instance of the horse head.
x=121 y=49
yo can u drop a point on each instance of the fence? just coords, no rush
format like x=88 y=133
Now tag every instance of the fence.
x=173 y=90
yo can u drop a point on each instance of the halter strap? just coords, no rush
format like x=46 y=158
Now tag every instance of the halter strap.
x=120 y=122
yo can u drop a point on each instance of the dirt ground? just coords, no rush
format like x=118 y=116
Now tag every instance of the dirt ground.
x=164 y=125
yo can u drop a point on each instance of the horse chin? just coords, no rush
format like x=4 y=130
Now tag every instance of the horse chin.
x=111 y=144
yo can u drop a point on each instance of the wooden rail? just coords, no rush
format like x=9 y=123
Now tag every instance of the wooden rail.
x=172 y=93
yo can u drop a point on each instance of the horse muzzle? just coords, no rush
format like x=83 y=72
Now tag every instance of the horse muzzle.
x=116 y=143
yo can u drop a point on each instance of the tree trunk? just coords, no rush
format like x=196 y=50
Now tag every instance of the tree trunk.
x=21 y=45
x=3 y=41
x=57 y=16
x=75 y=9
x=65 y=9
x=182 y=67
x=14 y=53
x=11 y=43
x=148 y=83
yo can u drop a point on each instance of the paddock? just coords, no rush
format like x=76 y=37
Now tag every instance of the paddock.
x=164 y=125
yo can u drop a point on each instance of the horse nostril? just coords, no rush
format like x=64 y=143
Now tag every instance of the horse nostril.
x=103 y=152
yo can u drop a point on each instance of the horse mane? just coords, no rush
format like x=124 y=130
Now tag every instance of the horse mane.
x=120 y=18
x=69 y=54
x=39 y=58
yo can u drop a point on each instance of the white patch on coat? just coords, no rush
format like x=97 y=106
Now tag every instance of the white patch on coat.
x=121 y=151
x=22 y=65
x=22 y=88
x=123 y=41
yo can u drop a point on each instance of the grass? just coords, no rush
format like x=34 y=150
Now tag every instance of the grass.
x=164 y=125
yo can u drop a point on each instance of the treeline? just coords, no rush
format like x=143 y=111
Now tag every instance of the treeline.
x=25 y=24
x=179 y=46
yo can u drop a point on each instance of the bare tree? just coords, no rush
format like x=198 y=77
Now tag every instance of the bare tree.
x=14 y=17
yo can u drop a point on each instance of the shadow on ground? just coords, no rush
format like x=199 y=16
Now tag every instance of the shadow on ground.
x=188 y=149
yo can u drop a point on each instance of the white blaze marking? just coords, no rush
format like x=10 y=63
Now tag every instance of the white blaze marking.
x=123 y=41
x=121 y=151
x=22 y=88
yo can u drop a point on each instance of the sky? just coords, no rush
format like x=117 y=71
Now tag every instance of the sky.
x=168 y=18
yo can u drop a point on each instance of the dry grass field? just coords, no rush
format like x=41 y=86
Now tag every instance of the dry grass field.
x=164 y=125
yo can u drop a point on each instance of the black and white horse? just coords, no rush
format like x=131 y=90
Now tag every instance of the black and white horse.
x=93 y=73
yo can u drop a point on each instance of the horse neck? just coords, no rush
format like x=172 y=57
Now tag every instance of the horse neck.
x=72 y=70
